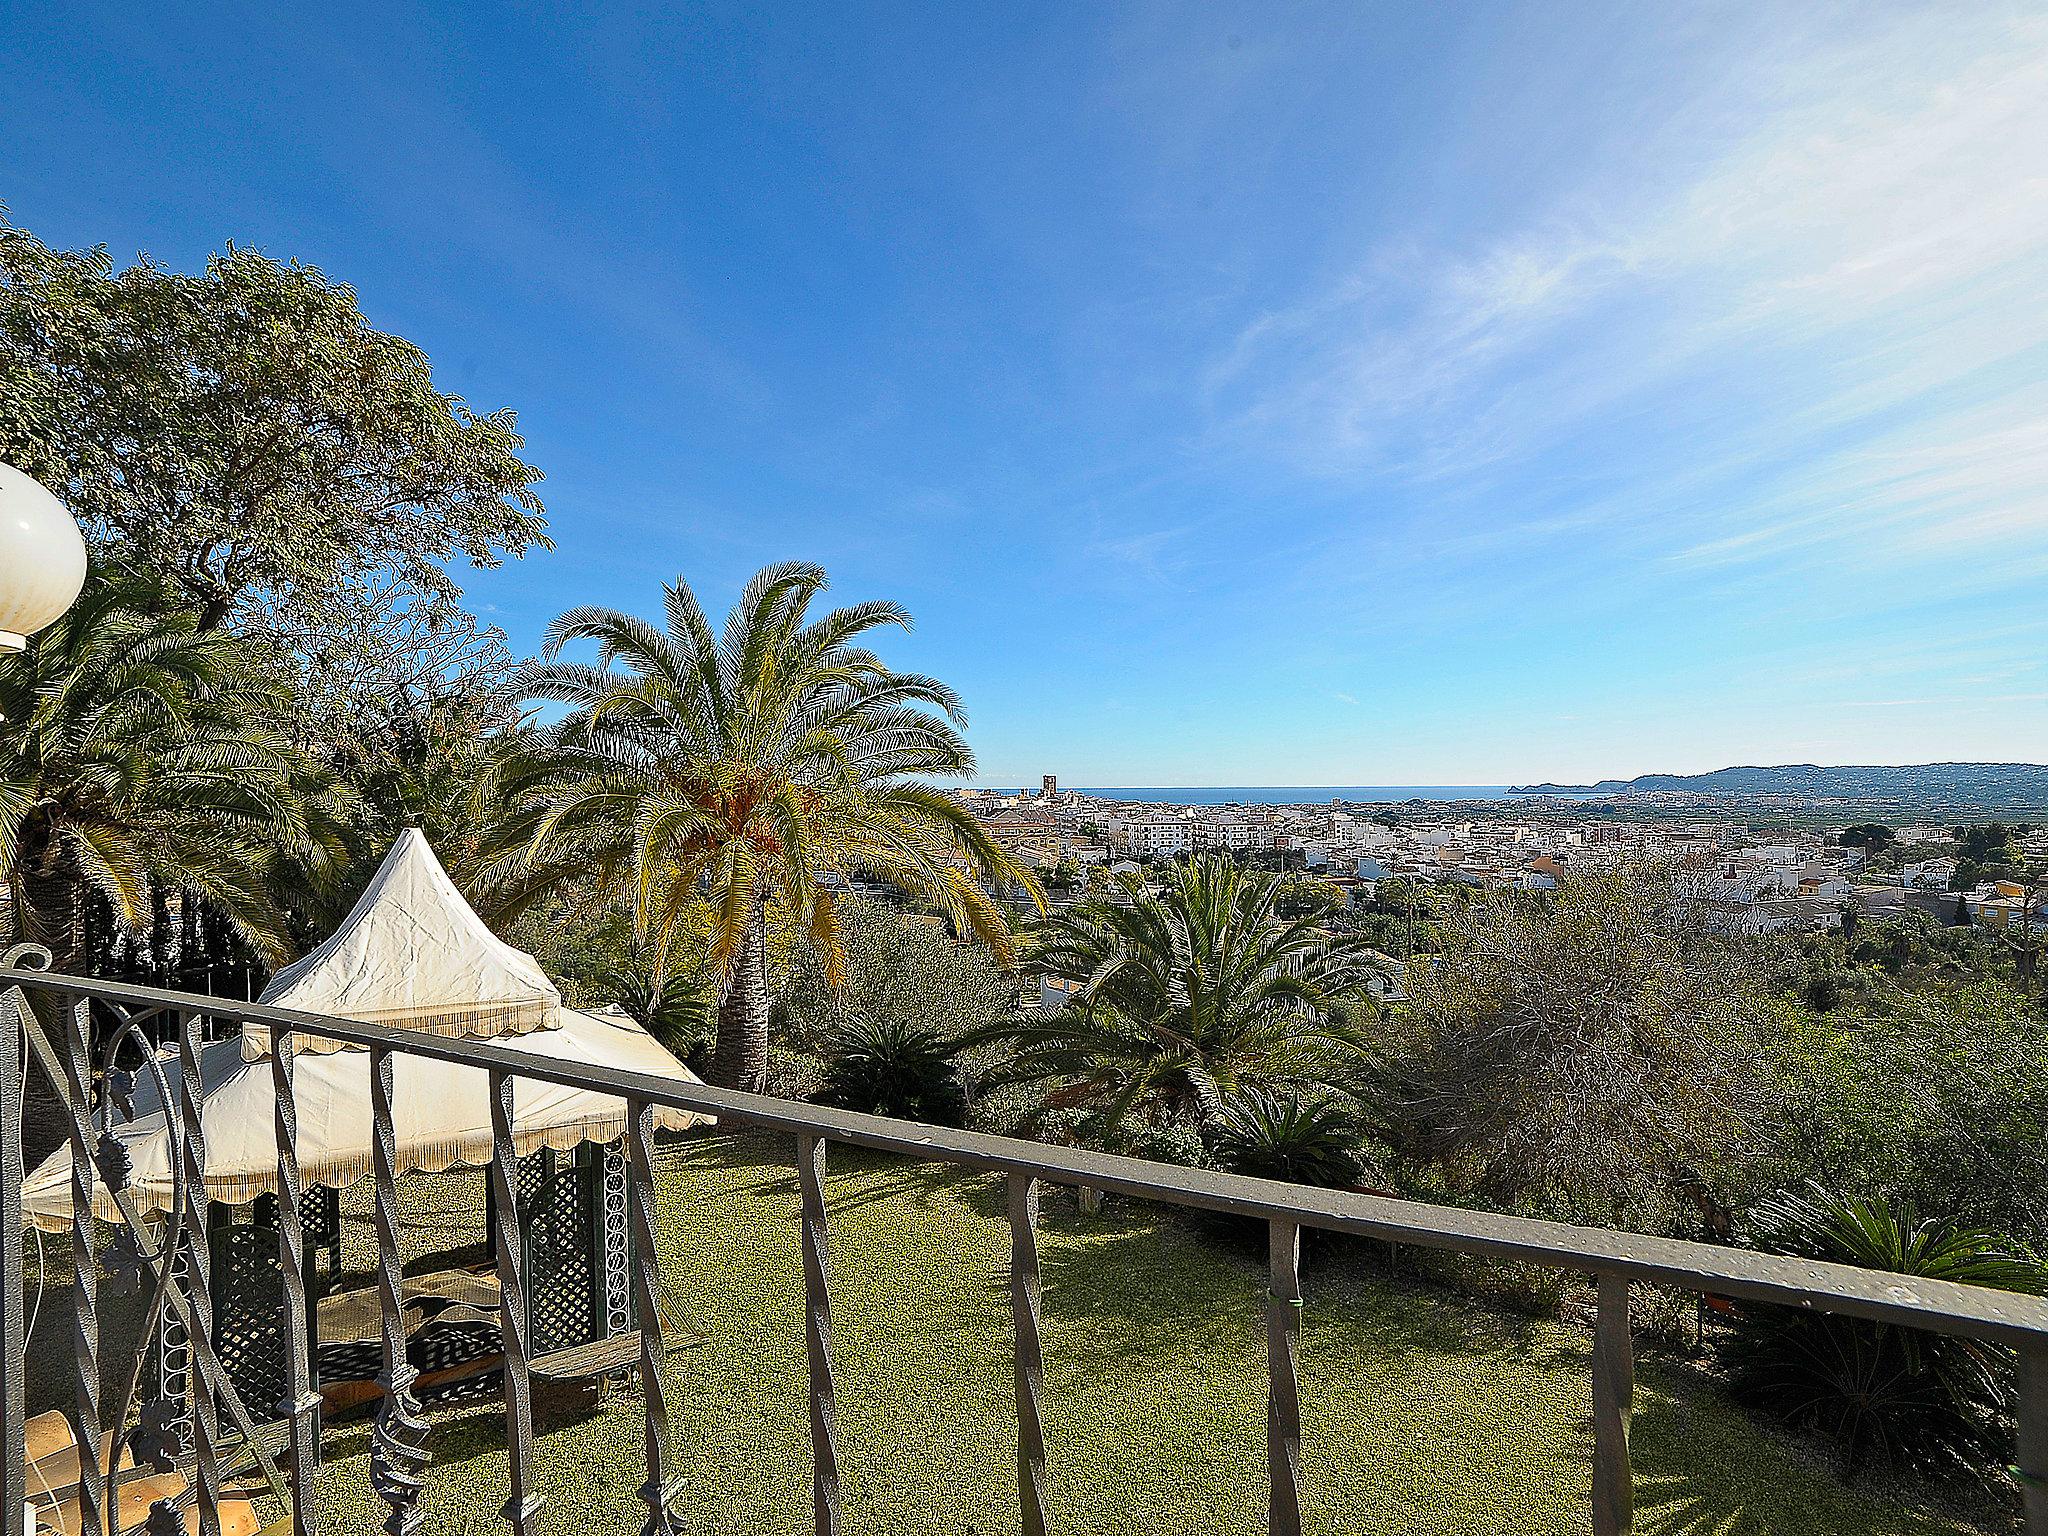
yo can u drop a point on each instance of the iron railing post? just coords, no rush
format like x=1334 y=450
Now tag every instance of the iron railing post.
x=13 y=1338
x=301 y=1404
x=398 y=1454
x=199 y=1275
x=93 y=1465
x=509 y=1240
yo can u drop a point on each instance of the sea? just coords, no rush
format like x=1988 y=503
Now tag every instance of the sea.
x=1302 y=794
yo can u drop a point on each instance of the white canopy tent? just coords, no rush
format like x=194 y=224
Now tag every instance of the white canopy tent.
x=414 y=954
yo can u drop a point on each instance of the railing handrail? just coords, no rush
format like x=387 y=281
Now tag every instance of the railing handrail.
x=1938 y=1306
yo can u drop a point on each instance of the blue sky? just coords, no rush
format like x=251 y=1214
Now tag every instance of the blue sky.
x=1278 y=394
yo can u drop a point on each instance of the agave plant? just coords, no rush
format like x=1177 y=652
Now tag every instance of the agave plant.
x=1881 y=1393
x=892 y=1067
x=1301 y=1139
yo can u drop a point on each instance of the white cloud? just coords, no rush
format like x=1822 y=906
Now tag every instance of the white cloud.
x=1832 y=328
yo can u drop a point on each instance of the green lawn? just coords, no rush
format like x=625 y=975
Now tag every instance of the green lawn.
x=1423 y=1414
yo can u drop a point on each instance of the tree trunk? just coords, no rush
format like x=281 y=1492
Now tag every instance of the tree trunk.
x=741 y=1060
x=50 y=895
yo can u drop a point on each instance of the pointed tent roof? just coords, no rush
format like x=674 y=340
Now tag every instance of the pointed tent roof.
x=412 y=952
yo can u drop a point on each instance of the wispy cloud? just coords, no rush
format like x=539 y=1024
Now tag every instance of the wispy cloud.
x=1831 y=330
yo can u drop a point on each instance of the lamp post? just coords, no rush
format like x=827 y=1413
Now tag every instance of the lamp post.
x=42 y=558
x=42 y=567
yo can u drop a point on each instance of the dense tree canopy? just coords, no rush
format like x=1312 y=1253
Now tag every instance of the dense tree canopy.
x=245 y=435
x=1587 y=1055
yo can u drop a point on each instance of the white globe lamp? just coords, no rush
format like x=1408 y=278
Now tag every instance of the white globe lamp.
x=42 y=558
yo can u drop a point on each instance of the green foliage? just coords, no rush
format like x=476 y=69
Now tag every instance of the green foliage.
x=1989 y=842
x=1184 y=995
x=1859 y=965
x=899 y=969
x=1881 y=1393
x=676 y=1008
x=1589 y=1056
x=1305 y=895
x=1305 y=1140
x=135 y=761
x=1871 y=835
x=244 y=435
x=893 y=1067
x=1930 y=1098
x=771 y=761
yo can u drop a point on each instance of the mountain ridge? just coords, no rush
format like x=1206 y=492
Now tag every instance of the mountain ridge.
x=1965 y=782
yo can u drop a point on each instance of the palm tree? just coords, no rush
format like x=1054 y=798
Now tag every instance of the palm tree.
x=133 y=764
x=765 y=763
x=456 y=763
x=1182 y=996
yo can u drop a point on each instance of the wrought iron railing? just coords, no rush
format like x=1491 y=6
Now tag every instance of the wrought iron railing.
x=226 y=1435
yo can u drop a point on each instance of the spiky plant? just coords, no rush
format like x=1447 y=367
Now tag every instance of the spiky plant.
x=893 y=1067
x=1881 y=1393
x=674 y=1007
x=1300 y=1138
x=1183 y=995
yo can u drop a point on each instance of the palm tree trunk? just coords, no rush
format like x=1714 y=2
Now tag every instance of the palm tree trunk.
x=51 y=893
x=741 y=1060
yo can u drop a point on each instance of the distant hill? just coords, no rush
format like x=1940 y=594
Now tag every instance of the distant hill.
x=2000 y=785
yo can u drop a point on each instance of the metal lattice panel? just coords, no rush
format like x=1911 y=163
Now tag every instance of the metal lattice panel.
x=618 y=1291
x=249 y=1314
x=562 y=1296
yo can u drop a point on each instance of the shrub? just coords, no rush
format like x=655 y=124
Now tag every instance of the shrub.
x=1304 y=1141
x=676 y=1010
x=1589 y=1056
x=1934 y=1100
x=1880 y=1392
x=893 y=1067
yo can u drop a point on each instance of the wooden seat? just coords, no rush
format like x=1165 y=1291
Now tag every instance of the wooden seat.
x=600 y=1357
x=570 y=1382
x=237 y=1508
x=359 y=1314
x=52 y=1455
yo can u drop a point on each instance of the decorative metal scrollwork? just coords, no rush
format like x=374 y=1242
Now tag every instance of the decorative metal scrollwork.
x=111 y=1157
x=124 y=1264
x=154 y=1439
x=398 y=1453
x=618 y=1303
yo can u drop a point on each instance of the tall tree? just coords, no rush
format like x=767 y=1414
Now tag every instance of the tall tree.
x=247 y=435
x=132 y=764
x=765 y=762
x=1591 y=1055
x=1180 y=996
